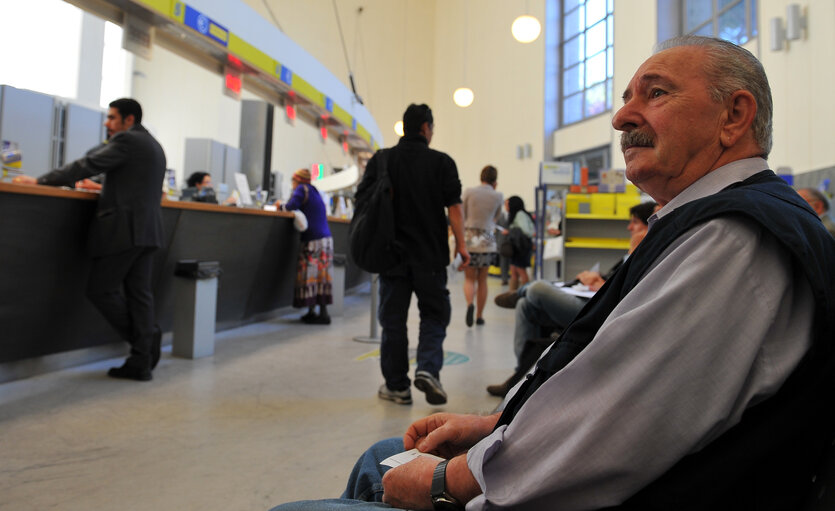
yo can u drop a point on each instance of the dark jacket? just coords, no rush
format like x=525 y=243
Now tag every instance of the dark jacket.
x=425 y=182
x=128 y=213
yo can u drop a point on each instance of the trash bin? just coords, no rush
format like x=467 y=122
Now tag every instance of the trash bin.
x=195 y=304
x=338 y=284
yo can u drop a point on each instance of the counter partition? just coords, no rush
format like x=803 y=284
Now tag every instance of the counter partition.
x=44 y=267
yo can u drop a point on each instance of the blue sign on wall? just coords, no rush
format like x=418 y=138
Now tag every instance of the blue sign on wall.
x=206 y=26
x=286 y=75
x=329 y=104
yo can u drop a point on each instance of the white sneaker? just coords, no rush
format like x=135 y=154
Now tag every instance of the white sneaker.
x=401 y=397
x=430 y=385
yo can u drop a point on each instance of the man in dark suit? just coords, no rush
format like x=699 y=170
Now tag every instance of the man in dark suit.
x=126 y=230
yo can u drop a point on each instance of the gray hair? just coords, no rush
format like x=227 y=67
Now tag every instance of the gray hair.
x=730 y=68
x=817 y=195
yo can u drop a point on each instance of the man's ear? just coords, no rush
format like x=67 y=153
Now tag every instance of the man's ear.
x=741 y=108
x=129 y=120
x=424 y=129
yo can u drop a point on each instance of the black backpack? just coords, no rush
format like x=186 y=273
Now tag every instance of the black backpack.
x=373 y=244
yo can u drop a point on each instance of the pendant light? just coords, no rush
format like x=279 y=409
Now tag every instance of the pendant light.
x=398 y=126
x=526 y=28
x=464 y=96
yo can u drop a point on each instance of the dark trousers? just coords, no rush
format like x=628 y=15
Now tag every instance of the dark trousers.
x=120 y=287
x=433 y=303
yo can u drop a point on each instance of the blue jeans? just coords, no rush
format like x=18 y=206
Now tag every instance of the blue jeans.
x=433 y=303
x=365 y=486
x=542 y=305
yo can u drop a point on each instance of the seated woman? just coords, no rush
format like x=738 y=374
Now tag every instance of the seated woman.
x=199 y=188
x=521 y=230
x=313 y=277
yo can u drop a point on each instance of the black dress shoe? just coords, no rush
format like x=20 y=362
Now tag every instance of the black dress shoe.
x=127 y=372
x=156 y=347
x=320 y=320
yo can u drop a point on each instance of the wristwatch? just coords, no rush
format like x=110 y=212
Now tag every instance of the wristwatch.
x=441 y=500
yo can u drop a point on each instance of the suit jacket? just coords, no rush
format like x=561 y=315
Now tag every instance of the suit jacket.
x=128 y=213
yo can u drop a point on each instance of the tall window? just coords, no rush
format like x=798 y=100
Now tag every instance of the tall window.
x=587 y=59
x=41 y=48
x=732 y=20
x=116 y=66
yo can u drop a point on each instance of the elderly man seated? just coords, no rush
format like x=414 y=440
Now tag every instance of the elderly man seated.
x=702 y=375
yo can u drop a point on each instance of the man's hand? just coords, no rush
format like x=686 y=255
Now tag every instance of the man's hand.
x=87 y=184
x=591 y=279
x=448 y=434
x=25 y=180
x=408 y=486
x=465 y=256
x=456 y=223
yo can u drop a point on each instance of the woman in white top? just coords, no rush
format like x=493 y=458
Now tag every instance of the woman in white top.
x=482 y=207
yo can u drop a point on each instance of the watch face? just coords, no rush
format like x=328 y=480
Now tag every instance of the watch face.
x=444 y=504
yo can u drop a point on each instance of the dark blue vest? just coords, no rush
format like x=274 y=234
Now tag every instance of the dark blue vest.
x=768 y=459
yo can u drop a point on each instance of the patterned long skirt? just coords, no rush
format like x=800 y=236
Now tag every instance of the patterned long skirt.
x=313 y=277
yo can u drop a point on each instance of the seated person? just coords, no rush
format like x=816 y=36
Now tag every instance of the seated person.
x=820 y=204
x=701 y=375
x=199 y=188
x=541 y=305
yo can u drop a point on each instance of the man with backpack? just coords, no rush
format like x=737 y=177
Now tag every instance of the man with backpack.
x=424 y=183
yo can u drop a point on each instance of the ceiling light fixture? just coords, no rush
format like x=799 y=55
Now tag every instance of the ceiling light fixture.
x=463 y=96
x=526 y=29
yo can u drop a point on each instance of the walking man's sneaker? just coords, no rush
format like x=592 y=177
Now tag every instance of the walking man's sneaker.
x=430 y=385
x=401 y=397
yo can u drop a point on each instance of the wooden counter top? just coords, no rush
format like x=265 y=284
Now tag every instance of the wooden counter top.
x=54 y=191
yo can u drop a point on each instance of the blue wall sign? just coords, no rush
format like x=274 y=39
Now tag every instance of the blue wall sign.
x=203 y=24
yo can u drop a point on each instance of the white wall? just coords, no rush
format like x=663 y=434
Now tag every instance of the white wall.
x=183 y=100
x=801 y=80
x=299 y=145
x=390 y=47
x=507 y=78
x=408 y=51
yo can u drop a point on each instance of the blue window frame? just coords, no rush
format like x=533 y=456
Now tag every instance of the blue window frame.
x=587 y=59
x=732 y=20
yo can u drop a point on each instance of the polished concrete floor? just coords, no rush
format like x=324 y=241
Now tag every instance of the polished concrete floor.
x=280 y=412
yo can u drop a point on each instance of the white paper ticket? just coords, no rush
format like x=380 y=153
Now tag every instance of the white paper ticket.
x=406 y=457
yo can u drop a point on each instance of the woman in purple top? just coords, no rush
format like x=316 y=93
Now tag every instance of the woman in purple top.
x=313 y=278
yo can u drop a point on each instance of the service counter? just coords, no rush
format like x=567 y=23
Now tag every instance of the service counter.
x=44 y=265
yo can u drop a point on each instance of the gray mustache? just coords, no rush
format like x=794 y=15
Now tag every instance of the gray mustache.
x=634 y=138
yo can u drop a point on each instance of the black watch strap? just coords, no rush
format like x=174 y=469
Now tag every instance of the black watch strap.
x=441 y=500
